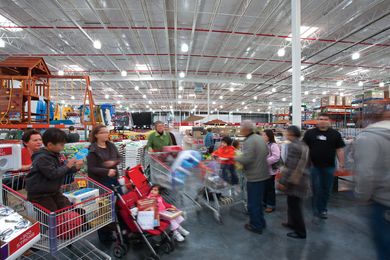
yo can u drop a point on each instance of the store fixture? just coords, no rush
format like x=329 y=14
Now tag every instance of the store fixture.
x=24 y=80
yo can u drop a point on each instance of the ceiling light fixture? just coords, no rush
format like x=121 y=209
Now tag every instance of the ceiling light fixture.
x=339 y=83
x=106 y=96
x=220 y=97
x=214 y=103
x=136 y=88
x=273 y=89
x=231 y=89
x=2 y=43
x=255 y=97
x=182 y=74
x=72 y=97
x=61 y=73
x=97 y=44
x=184 y=47
x=306 y=93
x=284 y=99
x=181 y=88
x=270 y=103
x=124 y=73
x=242 y=103
x=381 y=84
x=144 y=96
x=314 y=100
x=221 y=106
x=360 y=84
x=305 y=31
x=150 y=101
x=323 y=92
x=249 y=76
x=118 y=102
x=281 y=52
x=302 y=78
x=355 y=55
x=179 y=96
x=245 y=107
x=179 y=102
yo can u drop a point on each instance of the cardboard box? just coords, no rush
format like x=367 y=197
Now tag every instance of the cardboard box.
x=339 y=101
x=347 y=101
x=328 y=101
x=374 y=94
x=86 y=196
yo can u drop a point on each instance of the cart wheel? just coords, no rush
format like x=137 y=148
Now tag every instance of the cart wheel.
x=218 y=218
x=166 y=248
x=172 y=244
x=119 y=251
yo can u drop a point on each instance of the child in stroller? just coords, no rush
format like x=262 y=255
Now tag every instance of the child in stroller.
x=178 y=231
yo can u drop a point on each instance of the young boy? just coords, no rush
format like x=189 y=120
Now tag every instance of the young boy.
x=225 y=154
x=48 y=170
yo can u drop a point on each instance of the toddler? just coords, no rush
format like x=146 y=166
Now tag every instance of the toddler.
x=178 y=230
x=226 y=153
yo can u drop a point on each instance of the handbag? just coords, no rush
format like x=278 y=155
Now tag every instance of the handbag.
x=277 y=165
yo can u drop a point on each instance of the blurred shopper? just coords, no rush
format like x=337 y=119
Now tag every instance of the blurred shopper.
x=73 y=136
x=159 y=138
x=324 y=143
x=255 y=169
x=168 y=130
x=225 y=154
x=372 y=176
x=273 y=158
x=32 y=142
x=187 y=140
x=102 y=159
x=295 y=182
x=209 y=140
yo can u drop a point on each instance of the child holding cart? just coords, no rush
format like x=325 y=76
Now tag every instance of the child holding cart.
x=225 y=154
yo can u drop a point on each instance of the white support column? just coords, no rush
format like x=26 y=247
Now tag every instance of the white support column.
x=208 y=100
x=296 y=62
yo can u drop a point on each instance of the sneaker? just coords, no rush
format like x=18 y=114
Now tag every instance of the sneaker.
x=177 y=236
x=183 y=231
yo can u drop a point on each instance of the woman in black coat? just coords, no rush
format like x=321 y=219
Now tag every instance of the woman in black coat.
x=295 y=182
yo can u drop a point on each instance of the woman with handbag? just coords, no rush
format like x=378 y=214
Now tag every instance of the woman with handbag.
x=273 y=159
x=295 y=182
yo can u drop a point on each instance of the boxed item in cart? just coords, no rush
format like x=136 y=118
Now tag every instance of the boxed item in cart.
x=85 y=195
x=215 y=182
x=374 y=94
x=328 y=101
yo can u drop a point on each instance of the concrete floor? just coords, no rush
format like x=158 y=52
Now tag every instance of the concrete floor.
x=345 y=235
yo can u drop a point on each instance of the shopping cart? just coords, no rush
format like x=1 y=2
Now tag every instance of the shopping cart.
x=216 y=194
x=66 y=226
x=177 y=192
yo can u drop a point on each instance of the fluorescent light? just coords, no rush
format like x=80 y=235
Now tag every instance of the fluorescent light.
x=342 y=94
x=355 y=55
x=269 y=107
x=170 y=107
x=284 y=99
x=255 y=97
x=6 y=22
x=182 y=74
x=147 y=106
x=196 y=106
x=141 y=67
x=242 y=103
x=281 y=52
x=179 y=102
x=302 y=78
x=118 y=102
x=290 y=104
x=245 y=107
x=357 y=72
x=181 y=88
x=220 y=97
x=381 y=84
x=97 y=44
x=221 y=106
x=144 y=96
x=237 y=110
x=136 y=88
x=191 y=95
x=360 y=84
x=323 y=92
x=179 y=96
x=61 y=73
x=124 y=73
x=270 y=103
x=249 y=76
x=120 y=106
x=306 y=31
x=74 y=67
x=2 y=43
x=184 y=47
x=72 y=97
x=273 y=89
x=248 y=49
x=250 y=112
x=306 y=92
x=314 y=100
x=339 y=83
x=258 y=110
x=106 y=96
x=150 y=101
x=231 y=89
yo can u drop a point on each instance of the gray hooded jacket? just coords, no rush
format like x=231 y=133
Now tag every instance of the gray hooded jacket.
x=372 y=163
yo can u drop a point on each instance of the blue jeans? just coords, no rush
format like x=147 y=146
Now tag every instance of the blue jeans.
x=380 y=226
x=322 y=182
x=255 y=192
x=229 y=174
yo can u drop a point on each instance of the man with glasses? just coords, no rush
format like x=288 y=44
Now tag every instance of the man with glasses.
x=324 y=144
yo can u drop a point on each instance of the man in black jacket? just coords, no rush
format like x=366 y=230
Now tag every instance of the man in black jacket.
x=48 y=171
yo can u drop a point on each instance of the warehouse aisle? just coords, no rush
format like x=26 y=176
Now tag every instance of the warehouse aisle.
x=345 y=235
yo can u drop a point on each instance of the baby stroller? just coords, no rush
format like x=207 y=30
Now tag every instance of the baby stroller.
x=157 y=240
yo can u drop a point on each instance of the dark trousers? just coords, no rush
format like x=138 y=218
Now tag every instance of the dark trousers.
x=295 y=215
x=229 y=174
x=380 y=226
x=255 y=191
x=52 y=203
x=269 y=199
x=322 y=182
